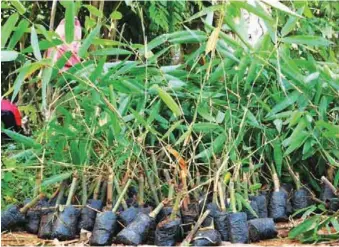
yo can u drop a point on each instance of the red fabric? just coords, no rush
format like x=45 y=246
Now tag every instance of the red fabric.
x=73 y=47
x=6 y=105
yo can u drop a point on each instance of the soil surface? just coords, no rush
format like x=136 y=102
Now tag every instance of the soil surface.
x=26 y=239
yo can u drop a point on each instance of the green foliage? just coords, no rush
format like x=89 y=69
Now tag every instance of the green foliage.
x=269 y=103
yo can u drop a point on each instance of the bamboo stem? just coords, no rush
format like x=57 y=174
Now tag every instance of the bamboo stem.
x=38 y=178
x=190 y=236
x=150 y=183
x=61 y=193
x=167 y=175
x=103 y=191
x=31 y=203
x=156 y=175
x=170 y=192
x=121 y=196
x=176 y=206
x=53 y=12
x=72 y=189
x=141 y=190
x=156 y=211
x=221 y=197
x=232 y=197
x=118 y=189
x=84 y=189
x=97 y=188
x=329 y=185
x=245 y=179
x=109 y=191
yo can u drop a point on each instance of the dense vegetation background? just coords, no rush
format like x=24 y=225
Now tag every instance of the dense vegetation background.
x=178 y=73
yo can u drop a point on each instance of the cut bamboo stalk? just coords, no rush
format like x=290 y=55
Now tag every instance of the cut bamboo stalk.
x=61 y=193
x=84 y=189
x=190 y=236
x=31 y=203
x=156 y=175
x=97 y=188
x=151 y=184
x=118 y=189
x=221 y=197
x=121 y=196
x=232 y=197
x=141 y=190
x=330 y=185
x=109 y=200
x=72 y=189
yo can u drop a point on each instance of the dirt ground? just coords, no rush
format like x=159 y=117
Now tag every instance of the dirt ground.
x=26 y=239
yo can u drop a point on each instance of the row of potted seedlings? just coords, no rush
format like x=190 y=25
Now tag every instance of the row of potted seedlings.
x=190 y=218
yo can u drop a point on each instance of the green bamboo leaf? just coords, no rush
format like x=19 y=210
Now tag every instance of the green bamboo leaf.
x=171 y=129
x=289 y=100
x=206 y=127
x=291 y=22
x=296 y=142
x=278 y=156
x=21 y=139
x=93 y=10
x=19 y=32
x=215 y=148
x=19 y=7
x=205 y=11
x=56 y=178
x=20 y=79
x=88 y=41
x=69 y=20
x=168 y=100
x=280 y=6
x=253 y=9
x=307 y=40
x=116 y=15
x=46 y=77
x=304 y=227
x=8 y=27
x=7 y=56
x=44 y=45
x=111 y=52
x=35 y=44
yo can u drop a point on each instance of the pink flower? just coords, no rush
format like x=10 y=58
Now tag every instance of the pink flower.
x=63 y=48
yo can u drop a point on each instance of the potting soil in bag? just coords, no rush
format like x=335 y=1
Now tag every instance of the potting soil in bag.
x=208 y=237
x=104 y=227
x=237 y=227
x=260 y=229
x=88 y=215
x=167 y=232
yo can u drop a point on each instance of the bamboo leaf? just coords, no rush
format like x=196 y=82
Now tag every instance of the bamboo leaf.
x=88 y=41
x=19 y=7
x=291 y=22
x=296 y=142
x=56 y=178
x=69 y=20
x=168 y=100
x=35 y=44
x=215 y=148
x=19 y=79
x=304 y=227
x=93 y=10
x=111 y=52
x=307 y=40
x=7 y=28
x=19 y=32
x=280 y=6
x=7 y=56
x=46 y=77
x=289 y=100
x=21 y=139
x=278 y=156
